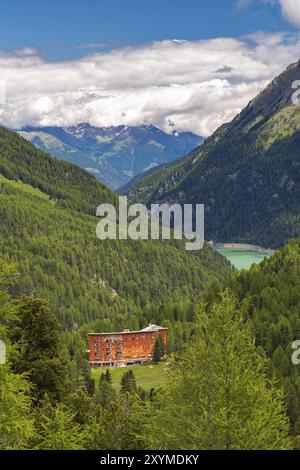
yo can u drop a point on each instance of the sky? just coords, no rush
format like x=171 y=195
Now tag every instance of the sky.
x=189 y=64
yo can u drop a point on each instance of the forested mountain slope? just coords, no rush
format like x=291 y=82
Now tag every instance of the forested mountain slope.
x=48 y=229
x=247 y=173
x=70 y=186
x=113 y=154
x=270 y=293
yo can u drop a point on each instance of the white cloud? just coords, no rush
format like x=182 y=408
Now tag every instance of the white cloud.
x=291 y=11
x=290 y=8
x=197 y=85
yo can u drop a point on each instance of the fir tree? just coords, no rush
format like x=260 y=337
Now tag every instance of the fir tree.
x=16 y=423
x=108 y=376
x=229 y=403
x=117 y=426
x=105 y=393
x=58 y=430
x=162 y=344
x=157 y=353
x=128 y=383
x=40 y=350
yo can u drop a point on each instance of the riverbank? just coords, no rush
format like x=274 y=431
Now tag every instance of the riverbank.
x=242 y=256
x=244 y=247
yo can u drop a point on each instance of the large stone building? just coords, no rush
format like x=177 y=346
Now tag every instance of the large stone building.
x=126 y=348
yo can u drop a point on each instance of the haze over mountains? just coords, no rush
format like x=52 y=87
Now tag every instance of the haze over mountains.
x=247 y=173
x=114 y=155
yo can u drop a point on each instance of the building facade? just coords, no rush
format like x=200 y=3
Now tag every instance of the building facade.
x=125 y=348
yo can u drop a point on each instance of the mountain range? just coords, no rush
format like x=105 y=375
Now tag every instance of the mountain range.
x=114 y=155
x=48 y=229
x=247 y=173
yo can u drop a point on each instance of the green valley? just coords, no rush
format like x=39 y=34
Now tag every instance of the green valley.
x=149 y=277
x=270 y=293
x=113 y=155
x=49 y=232
x=246 y=173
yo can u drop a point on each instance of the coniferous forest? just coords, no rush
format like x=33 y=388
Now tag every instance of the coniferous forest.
x=58 y=282
x=112 y=345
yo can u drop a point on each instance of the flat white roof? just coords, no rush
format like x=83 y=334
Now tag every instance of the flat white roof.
x=148 y=329
x=153 y=328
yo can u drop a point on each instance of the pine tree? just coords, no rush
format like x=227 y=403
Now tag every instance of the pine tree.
x=123 y=384
x=105 y=393
x=102 y=378
x=40 y=355
x=131 y=381
x=128 y=383
x=58 y=430
x=228 y=403
x=162 y=346
x=157 y=350
x=16 y=424
x=108 y=376
x=117 y=427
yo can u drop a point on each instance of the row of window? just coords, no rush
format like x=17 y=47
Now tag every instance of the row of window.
x=121 y=338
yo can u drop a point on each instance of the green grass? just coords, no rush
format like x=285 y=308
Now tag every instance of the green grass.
x=26 y=188
x=283 y=124
x=147 y=376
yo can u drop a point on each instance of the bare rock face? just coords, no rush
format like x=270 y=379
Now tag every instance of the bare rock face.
x=114 y=155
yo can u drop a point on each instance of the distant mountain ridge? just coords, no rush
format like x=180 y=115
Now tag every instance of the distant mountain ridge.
x=114 y=155
x=247 y=173
x=48 y=209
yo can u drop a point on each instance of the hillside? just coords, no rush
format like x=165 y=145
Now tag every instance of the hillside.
x=48 y=229
x=270 y=293
x=113 y=154
x=70 y=186
x=247 y=173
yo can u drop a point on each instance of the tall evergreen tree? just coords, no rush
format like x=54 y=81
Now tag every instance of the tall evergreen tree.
x=40 y=355
x=128 y=383
x=16 y=424
x=228 y=403
x=108 y=376
x=58 y=430
x=157 y=352
x=105 y=393
x=117 y=427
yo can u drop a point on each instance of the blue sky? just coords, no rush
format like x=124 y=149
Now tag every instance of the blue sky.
x=192 y=64
x=57 y=26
